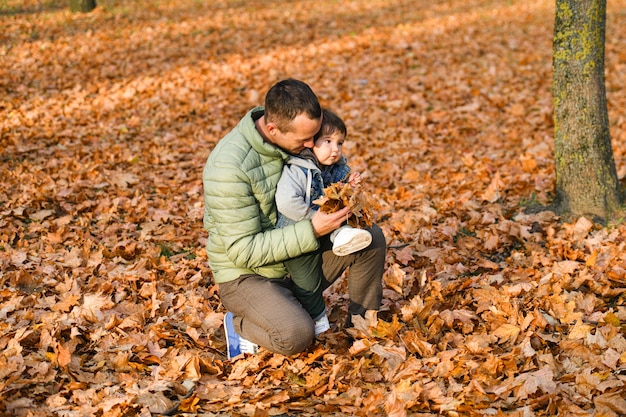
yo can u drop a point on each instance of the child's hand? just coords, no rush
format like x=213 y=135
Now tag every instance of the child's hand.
x=354 y=179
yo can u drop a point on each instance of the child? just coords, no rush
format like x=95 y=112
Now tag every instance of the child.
x=302 y=181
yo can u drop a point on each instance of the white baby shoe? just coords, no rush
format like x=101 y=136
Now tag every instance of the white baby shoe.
x=348 y=240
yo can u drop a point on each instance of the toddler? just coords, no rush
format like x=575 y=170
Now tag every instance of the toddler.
x=302 y=181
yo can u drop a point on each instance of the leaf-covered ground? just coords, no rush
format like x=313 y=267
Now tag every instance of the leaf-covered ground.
x=107 y=304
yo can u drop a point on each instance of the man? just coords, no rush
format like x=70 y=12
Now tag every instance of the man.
x=246 y=251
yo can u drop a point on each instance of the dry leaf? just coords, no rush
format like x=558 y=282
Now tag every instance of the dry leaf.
x=108 y=296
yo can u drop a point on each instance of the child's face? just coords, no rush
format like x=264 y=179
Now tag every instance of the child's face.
x=327 y=148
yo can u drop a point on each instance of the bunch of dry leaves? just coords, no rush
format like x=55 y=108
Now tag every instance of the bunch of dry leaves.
x=339 y=195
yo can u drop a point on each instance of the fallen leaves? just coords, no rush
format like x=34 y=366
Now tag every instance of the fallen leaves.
x=107 y=305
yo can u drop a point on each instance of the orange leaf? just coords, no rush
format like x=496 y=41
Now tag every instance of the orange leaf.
x=65 y=355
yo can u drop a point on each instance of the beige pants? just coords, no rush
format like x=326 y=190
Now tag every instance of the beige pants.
x=267 y=312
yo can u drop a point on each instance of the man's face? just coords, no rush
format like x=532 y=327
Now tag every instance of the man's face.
x=299 y=136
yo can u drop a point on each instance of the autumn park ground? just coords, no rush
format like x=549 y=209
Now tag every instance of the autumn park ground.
x=107 y=302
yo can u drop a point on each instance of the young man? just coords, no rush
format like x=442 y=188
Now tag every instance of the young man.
x=246 y=251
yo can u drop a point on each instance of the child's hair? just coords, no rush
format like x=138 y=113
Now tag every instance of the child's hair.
x=330 y=124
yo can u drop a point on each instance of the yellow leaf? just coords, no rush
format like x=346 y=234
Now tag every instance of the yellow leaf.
x=386 y=330
x=579 y=331
x=139 y=366
x=189 y=405
x=611 y=318
x=591 y=260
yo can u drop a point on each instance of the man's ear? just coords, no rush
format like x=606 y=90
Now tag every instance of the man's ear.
x=271 y=128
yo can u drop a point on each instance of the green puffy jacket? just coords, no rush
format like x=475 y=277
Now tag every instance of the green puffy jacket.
x=240 y=178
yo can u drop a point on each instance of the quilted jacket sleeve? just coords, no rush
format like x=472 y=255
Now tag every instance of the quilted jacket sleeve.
x=240 y=213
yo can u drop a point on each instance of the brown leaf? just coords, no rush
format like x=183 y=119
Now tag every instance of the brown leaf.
x=611 y=403
x=507 y=333
x=394 y=278
x=492 y=192
x=405 y=255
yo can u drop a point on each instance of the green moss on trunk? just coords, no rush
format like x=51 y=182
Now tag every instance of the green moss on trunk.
x=82 y=6
x=586 y=178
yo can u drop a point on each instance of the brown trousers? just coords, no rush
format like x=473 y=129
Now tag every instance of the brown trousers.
x=267 y=312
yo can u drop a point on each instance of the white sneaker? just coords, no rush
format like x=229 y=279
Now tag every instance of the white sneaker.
x=247 y=346
x=235 y=344
x=321 y=325
x=349 y=240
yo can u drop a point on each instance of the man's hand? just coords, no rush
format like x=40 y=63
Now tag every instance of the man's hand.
x=324 y=223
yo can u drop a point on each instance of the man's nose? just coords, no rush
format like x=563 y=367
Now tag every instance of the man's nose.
x=309 y=143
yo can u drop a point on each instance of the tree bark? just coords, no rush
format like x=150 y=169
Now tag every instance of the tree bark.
x=586 y=178
x=83 y=6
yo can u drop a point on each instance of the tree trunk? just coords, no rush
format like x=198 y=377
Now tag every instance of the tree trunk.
x=83 y=6
x=586 y=178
